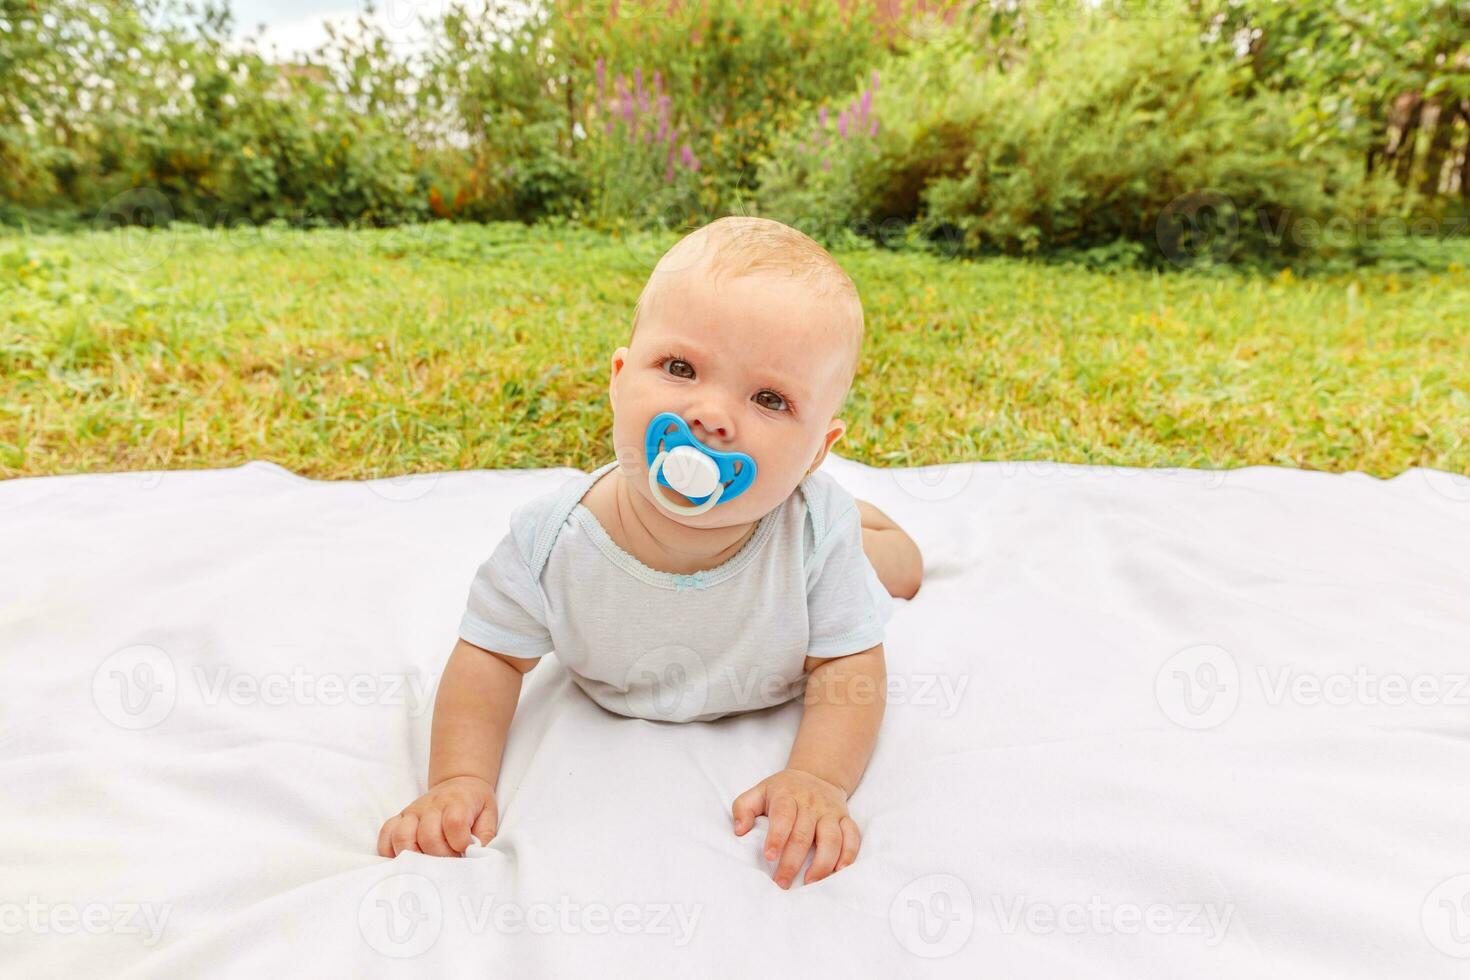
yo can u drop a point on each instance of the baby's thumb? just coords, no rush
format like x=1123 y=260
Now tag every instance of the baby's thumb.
x=486 y=823
x=748 y=806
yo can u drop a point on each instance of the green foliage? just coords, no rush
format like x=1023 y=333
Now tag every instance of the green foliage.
x=1110 y=131
x=1349 y=59
x=1115 y=139
x=174 y=114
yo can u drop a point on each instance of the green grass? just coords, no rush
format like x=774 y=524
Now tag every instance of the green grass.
x=372 y=353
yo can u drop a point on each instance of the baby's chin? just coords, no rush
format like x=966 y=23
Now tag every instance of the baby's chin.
x=721 y=515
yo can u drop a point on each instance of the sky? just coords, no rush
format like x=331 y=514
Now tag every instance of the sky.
x=297 y=26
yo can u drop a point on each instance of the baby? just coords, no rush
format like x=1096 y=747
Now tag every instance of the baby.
x=707 y=569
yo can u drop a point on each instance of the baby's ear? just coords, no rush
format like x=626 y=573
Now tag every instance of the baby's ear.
x=835 y=430
x=619 y=359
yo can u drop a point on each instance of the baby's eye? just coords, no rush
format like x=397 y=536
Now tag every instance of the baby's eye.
x=677 y=366
x=767 y=398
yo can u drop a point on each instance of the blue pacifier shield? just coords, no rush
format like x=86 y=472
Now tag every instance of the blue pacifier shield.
x=668 y=432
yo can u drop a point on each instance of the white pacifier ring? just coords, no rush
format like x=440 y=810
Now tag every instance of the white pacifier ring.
x=690 y=478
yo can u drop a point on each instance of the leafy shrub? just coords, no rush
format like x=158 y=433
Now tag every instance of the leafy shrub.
x=1118 y=138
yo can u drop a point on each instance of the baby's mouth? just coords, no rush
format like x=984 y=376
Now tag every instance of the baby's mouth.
x=678 y=461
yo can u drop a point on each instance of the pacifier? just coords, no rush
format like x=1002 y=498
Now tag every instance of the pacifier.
x=685 y=465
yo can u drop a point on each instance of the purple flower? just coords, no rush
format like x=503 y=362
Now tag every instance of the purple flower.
x=866 y=104
x=873 y=130
x=658 y=81
x=669 y=173
x=638 y=78
x=688 y=157
x=628 y=106
x=842 y=125
x=822 y=116
x=826 y=164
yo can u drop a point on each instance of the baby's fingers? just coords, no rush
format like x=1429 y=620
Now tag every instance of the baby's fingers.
x=487 y=823
x=431 y=835
x=404 y=836
x=782 y=814
x=748 y=806
x=385 y=837
x=852 y=839
x=457 y=826
x=797 y=846
x=829 y=847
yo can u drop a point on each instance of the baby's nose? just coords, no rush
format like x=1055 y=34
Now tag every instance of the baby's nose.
x=714 y=426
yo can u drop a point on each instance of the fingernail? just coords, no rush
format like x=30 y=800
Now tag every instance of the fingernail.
x=784 y=882
x=771 y=854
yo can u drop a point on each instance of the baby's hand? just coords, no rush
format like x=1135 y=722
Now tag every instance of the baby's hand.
x=802 y=809
x=440 y=822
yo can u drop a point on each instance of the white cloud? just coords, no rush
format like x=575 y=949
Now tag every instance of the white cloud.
x=295 y=34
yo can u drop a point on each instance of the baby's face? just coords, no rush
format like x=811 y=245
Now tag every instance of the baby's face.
x=754 y=365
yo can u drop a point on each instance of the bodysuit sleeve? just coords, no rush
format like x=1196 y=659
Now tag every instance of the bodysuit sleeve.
x=506 y=612
x=847 y=606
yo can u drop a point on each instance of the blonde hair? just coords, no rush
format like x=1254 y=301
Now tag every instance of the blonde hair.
x=739 y=245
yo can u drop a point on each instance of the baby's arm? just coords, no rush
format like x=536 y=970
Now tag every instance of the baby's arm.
x=472 y=714
x=893 y=554
x=806 y=803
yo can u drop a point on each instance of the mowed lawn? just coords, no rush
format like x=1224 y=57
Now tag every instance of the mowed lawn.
x=375 y=353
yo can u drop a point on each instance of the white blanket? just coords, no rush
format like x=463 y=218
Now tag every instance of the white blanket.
x=1140 y=724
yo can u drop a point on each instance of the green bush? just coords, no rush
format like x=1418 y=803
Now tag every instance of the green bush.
x=1109 y=129
x=1115 y=138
